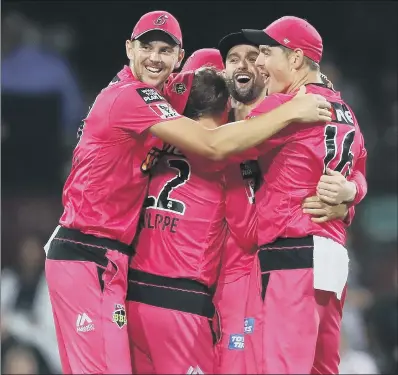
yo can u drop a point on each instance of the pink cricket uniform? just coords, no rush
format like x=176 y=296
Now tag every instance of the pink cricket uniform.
x=87 y=260
x=242 y=180
x=301 y=320
x=175 y=268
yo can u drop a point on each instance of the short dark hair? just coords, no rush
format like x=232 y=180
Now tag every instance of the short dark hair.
x=209 y=95
x=314 y=66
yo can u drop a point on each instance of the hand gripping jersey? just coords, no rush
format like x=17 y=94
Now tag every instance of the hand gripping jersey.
x=106 y=187
x=293 y=161
x=297 y=284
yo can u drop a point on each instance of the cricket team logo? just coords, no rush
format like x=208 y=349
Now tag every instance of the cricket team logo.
x=119 y=316
x=161 y=20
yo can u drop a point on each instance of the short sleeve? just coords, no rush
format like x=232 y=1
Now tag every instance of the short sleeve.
x=136 y=109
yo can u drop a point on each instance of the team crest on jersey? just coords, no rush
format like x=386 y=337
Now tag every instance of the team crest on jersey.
x=179 y=88
x=161 y=20
x=119 y=316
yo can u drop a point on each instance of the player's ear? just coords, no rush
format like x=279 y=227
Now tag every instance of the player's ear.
x=181 y=55
x=296 y=58
x=129 y=48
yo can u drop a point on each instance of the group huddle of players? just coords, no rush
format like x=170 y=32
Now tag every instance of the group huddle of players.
x=205 y=213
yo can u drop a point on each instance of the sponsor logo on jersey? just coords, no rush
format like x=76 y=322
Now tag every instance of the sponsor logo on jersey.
x=194 y=370
x=119 y=316
x=164 y=111
x=150 y=95
x=84 y=323
x=236 y=342
x=249 y=326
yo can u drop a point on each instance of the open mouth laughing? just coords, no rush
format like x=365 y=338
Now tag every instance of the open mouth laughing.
x=243 y=78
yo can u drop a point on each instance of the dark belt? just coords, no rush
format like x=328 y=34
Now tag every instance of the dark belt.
x=101 y=243
x=285 y=254
x=171 y=293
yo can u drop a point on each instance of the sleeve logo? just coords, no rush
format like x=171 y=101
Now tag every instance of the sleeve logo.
x=149 y=95
x=164 y=110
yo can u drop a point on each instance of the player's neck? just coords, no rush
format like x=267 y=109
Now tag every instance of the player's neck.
x=307 y=78
x=209 y=122
x=241 y=110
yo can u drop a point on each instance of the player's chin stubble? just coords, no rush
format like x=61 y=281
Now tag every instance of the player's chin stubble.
x=244 y=96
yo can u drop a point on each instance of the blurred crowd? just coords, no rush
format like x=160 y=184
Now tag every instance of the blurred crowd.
x=38 y=81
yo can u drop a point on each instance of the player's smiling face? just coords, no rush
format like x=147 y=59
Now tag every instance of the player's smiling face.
x=276 y=69
x=244 y=80
x=153 y=57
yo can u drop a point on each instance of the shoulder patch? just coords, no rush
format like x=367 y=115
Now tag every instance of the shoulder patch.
x=150 y=95
x=164 y=110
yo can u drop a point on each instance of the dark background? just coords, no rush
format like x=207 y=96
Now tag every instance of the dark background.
x=57 y=55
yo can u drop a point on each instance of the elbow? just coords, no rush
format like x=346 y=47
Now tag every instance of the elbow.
x=218 y=151
x=216 y=154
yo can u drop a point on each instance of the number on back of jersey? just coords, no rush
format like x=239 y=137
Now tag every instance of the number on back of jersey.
x=339 y=140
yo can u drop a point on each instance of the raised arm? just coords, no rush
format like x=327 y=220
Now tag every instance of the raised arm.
x=219 y=143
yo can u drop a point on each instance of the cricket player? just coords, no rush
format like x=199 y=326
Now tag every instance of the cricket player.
x=88 y=254
x=247 y=89
x=178 y=250
x=298 y=280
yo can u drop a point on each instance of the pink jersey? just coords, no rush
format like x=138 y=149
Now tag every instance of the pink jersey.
x=293 y=161
x=183 y=226
x=106 y=187
x=242 y=181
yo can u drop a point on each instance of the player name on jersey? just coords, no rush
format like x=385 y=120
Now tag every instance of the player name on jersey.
x=160 y=221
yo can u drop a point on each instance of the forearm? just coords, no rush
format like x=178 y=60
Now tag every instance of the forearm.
x=239 y=136
x=361 y=187
x=217 y=144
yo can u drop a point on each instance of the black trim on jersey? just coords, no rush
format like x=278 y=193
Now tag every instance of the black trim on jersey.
x=171 y=293
x=98 y=244
x=285 y=254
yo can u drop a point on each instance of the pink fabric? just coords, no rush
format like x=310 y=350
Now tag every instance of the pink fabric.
x=167 y=341
x=91 y=330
